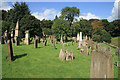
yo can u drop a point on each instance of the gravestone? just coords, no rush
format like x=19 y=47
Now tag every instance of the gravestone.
x=65 y=55
x=117 y=51
x=86 y=37
x=80 y=40
x=118 y=63
x=62 y=54
x=17 y=33
x=78 y=37
x=5 y=36
x=10 y=50
x=71 y=42
x=27 y=38
x=69 y=55
x=35 y=43
x=102 y=64
x=17 y=41
x=61 y=39
x=67 y=44
x=89 y=42
x=45 y=42
x=84 y=50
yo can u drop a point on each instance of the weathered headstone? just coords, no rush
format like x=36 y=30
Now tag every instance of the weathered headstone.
x=17 y=41
x=80 y=40
x=66 y=55
x=86 y=37
x=117 y=53
x=78 y=37
x=102 y=64
x=71 y=42
x=27 y=38
x=62 y=54
x=118 y=63
x=17 y=33
x=69 y=55
x=61 y=39
x=35 y=43
x=45 y=42
x=84 y=50
x=10 y=50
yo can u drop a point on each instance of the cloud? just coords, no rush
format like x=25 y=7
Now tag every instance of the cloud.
x=115 y=10
x=89 y=16
x=46 y=14
x=4 y=6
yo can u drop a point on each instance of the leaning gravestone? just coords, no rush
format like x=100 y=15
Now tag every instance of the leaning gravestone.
x=10 y=50
x=118 y=63
x=35 y=43
x=102 y=64
x=27 y=38
x=65 y=55
x=84 y=50
x=62 y=55
x=69 y=55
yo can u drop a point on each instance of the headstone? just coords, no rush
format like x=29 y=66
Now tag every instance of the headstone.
x=66 y=55
x=84 y=50
x=89 y=42
x=69 y=55
x=35 y=43
x=62 y=54
x=27 y=38
x=86 y=37
x=78 y=37
x=5 y=36
x=67 y=44
x=71 y=42
x=54 y=45
x=117 y=51
x=102 y=64
x=61 y=39
x=118 y=63
x=12 y=36
x=10 y=50
x=17 y=33
x=80 y=40
x=17 y=41
x=45 y=42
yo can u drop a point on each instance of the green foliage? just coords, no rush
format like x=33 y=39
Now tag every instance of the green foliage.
x=46 y=26
x=68 y=13
x=86 y=27
x=5 y=26
x=75 y=28
x=29 y=22
x=101 y=35
x=60 y=27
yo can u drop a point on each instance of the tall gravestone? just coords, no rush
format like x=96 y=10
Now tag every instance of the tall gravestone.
x=78 y=37
x=80 y=40
x=27 y=38
x=10 y=50
x=35 y=43
x=61 y=39
x=17 y=34
x=102 y=64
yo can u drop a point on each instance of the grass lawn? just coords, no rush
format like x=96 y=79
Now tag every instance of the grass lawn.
x=43 y=62
x=115 y=41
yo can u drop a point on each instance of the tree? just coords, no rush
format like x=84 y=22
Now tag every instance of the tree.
x=85 y=27
x=29 y=22
x=101 y=35
x=97 y=24
x=68 y=13
x=60 y=27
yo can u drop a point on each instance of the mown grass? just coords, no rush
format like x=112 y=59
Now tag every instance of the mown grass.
x=115 y=41
x=43 y=62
